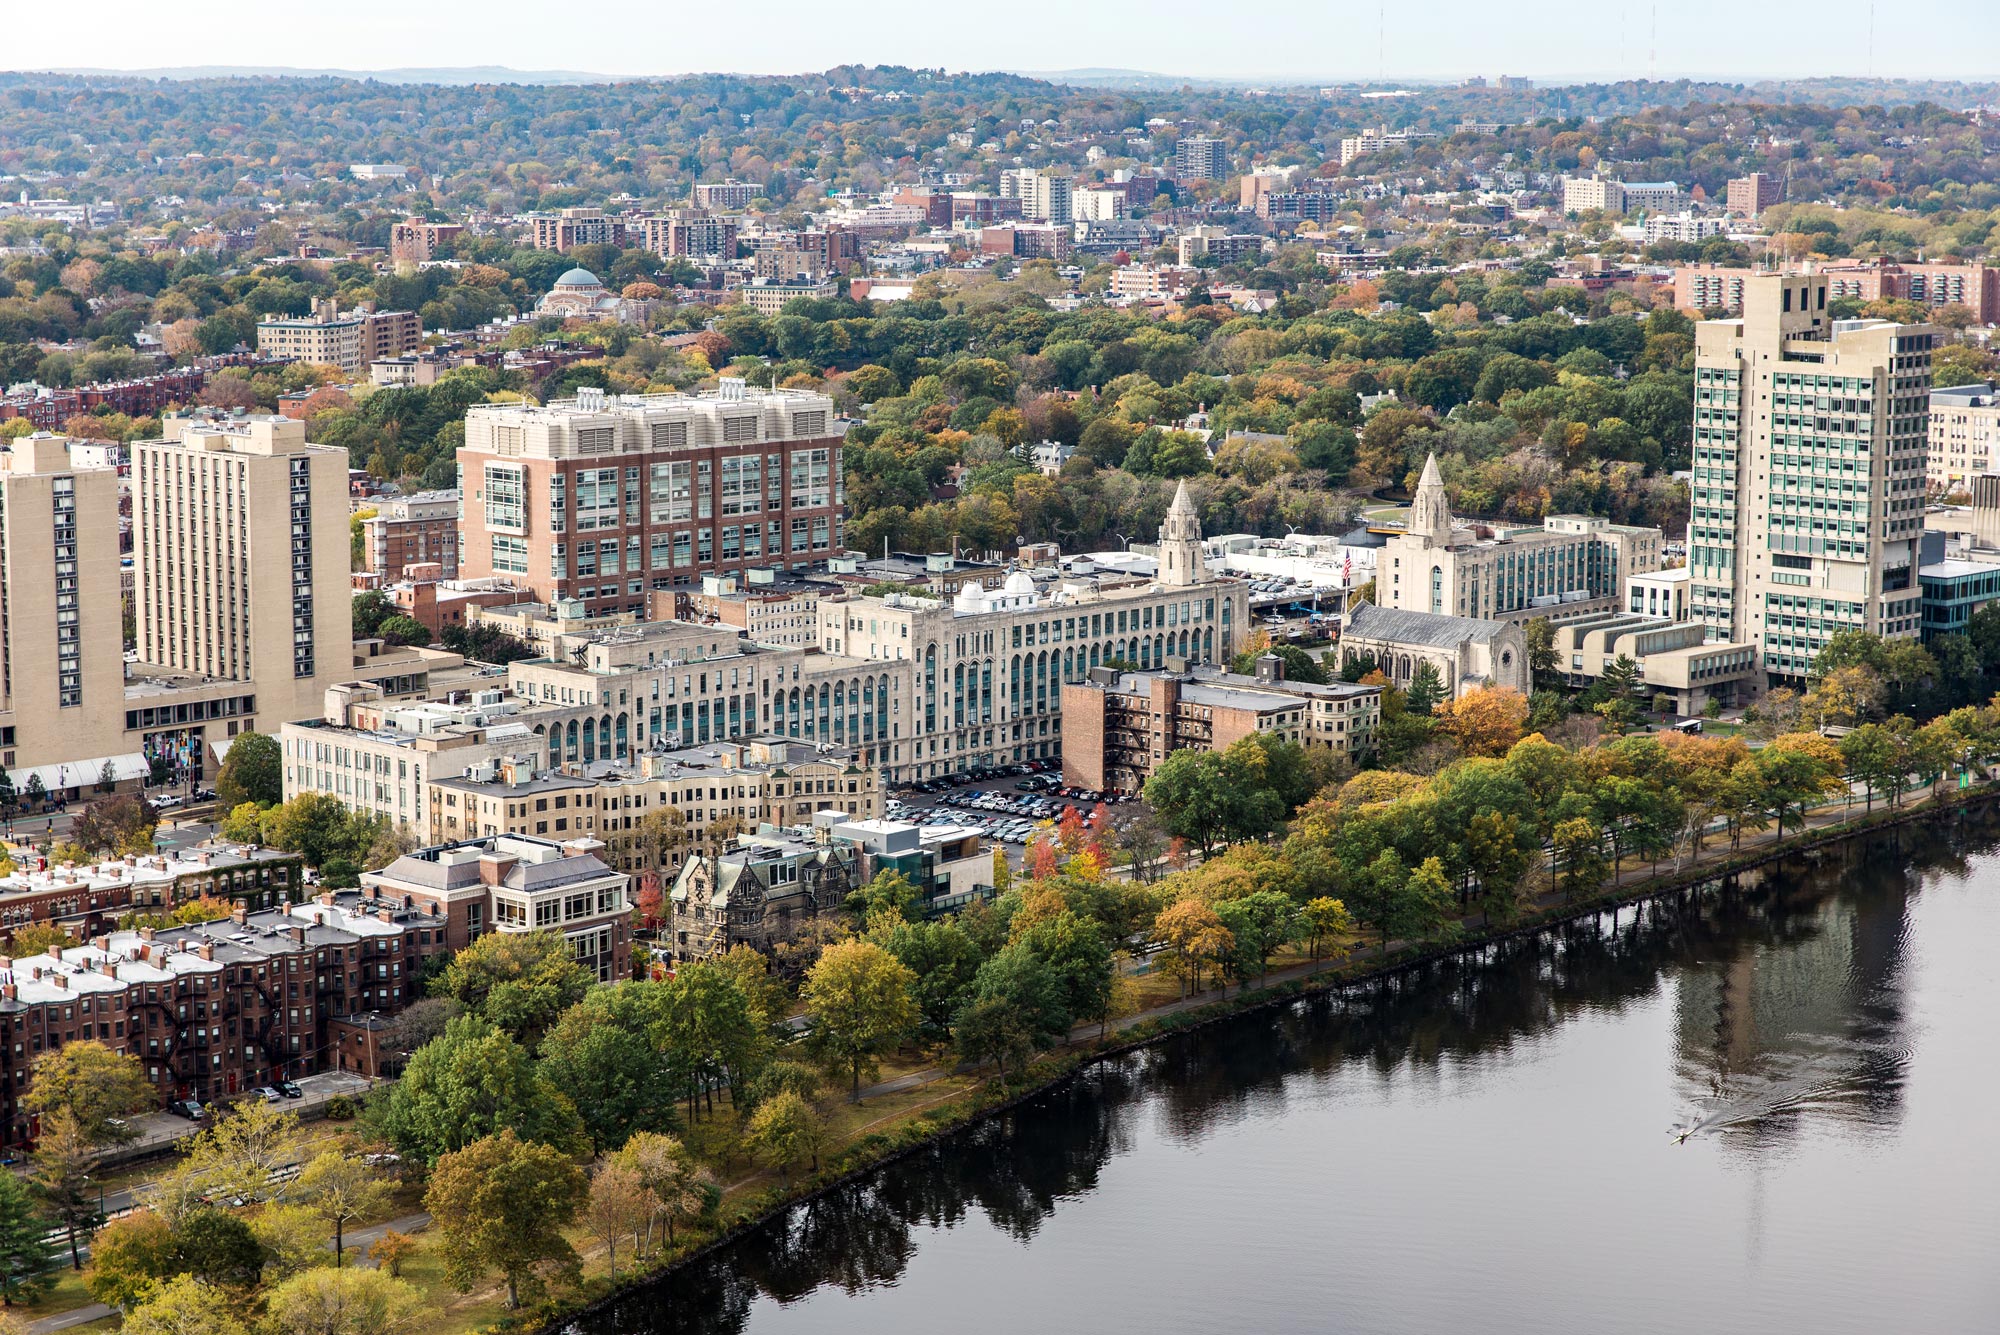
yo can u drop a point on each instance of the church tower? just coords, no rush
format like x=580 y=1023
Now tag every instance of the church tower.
x=1430 y=512
x=1181 y=562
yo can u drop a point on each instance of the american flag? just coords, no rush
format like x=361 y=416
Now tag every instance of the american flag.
x=1347 y=568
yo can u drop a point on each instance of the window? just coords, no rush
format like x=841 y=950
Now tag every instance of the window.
x=507 y=498
x=510 y=555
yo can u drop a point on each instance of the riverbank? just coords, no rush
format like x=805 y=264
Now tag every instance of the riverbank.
x=953 y=1114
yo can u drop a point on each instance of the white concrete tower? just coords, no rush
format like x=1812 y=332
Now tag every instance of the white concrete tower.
x=1430 y=512
x=1181 y=562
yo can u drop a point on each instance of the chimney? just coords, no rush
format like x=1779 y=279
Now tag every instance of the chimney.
x=9 y=992
x=326 y=898
x=240 y=915
x=493 y=868
x=206 y=950
x=145 y=934
x=299 y=934
x=101 y=942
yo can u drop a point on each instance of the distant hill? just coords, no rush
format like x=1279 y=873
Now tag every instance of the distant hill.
x=447 y=77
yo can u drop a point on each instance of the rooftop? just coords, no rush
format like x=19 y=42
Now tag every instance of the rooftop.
x=1402 y=627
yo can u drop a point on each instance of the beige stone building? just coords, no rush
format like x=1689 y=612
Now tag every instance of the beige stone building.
x=240 y=585
x=242 y=558
x=349 y=340
x=1674 y=658
x=987 y=667
x=1467 y=652
x=1964 y=430
x=1809 y=473
x=1571 y=566
x=761 y=781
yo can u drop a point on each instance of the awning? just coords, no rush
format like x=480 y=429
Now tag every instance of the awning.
x=82 y=773
x=220 y=747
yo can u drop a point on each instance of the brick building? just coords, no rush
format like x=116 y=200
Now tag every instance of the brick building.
x=91 y=898
x=732 y=195
x=1750 y=195
x=601 y=498
x=215 y=1009
x=349 y=340
x=516 y=883
x=417 y=241
x=575 y=227
x=1118 y=727
x=412 y=530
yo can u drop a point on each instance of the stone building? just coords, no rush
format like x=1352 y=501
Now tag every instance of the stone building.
x=1467 y=652
x=759 y=892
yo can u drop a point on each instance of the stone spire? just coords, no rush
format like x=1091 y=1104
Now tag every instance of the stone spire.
x=1430 y=512
x=1181 y=561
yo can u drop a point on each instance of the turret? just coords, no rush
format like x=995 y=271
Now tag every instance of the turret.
x=1430 y=512
x=1181 y=560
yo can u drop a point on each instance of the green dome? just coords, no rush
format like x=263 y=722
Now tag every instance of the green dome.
x=578 y=278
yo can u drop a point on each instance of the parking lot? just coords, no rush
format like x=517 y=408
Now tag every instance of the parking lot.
x=1007 y=807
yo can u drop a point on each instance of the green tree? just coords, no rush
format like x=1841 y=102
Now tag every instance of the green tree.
x=858 y=996
x=253 y=771
x=474 y=1082
x=994 y=1029
x=341 y=1190
x=346 y=1302
x=604 y=1055
x=91 y=1083
x=186 y=1305
x=519 y=982
x=59 y=1177
x=1543 y=663
x=129 y=1258
x=890 y=895
x=1262 y=923
x=1325 y=918
x=1211 y=798
x=404 y=630
x=1426 y=691
x=25 y=1260
x=710 y=1032
x=1579 y=844
x=943 y=960
x=503 y=1203
x=787 y=1131
x=217 y=1247
x=319 y=829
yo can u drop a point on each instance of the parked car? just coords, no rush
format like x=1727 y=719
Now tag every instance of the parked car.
x=187 y=1108
x=268 y=1093
x=290 y=1090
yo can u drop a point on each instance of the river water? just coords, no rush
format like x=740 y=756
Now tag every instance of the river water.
x=1767 y=1107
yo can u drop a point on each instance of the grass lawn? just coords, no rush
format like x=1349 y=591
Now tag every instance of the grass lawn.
x=68 y=1295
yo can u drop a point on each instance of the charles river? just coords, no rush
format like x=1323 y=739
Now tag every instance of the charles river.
x=1772 y=1107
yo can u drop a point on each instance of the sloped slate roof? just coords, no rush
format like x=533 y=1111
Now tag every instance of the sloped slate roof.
x=1386 y=623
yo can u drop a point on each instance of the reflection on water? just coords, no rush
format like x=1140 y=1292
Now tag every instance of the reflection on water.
x=1783 y=1003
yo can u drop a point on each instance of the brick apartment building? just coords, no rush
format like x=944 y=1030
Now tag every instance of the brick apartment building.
x=417 y=241
x=1974 y=286
x=1750 y=195
x=215 y=1009
x=603 y=498
x=143 y=397
x=1039 y=241
x=729 y=195
x=412 y=530
x=684 y=233
x=1118 y=727
x=348 y=340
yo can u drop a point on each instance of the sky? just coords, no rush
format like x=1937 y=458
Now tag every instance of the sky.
x=1317 y=40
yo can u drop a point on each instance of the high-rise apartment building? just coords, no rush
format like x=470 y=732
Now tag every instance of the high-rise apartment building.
x=1808 y=496
x=689 y=232
x=240 y=591
x=1199 y=158
x=1750 y=195
x=601 y=498
x=417 y=241
x=1964 y=436
x=575 y=227
x=726 y=194
x=349 y=340
x=242 y=558
x=61 y=646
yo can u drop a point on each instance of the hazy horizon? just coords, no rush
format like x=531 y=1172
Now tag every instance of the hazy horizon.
x=1558 y=41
